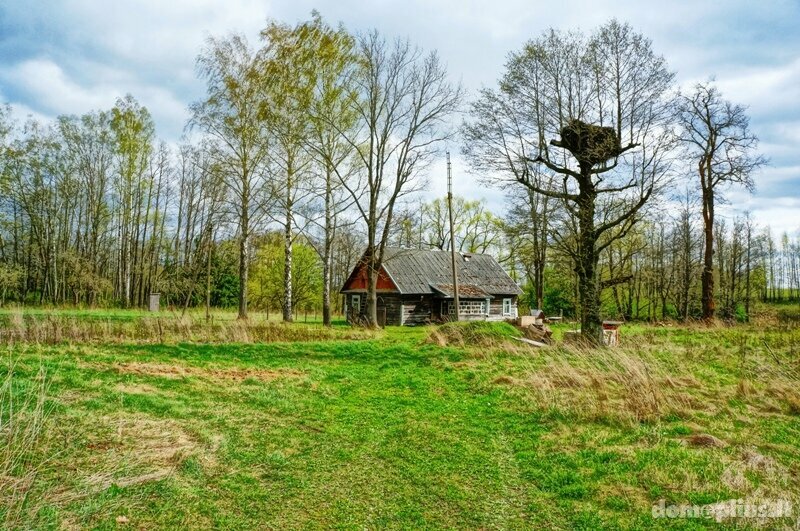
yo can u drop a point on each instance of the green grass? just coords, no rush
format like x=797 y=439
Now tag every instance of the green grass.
x=400 y=431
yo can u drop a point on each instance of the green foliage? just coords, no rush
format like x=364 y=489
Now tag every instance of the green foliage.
x=10 y=282
x=267 y=275
x=559 y=292
x=225 y=275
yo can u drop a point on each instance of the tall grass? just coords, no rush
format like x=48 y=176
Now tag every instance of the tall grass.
x=658 y=373
x=22 y=419
x=56 y=329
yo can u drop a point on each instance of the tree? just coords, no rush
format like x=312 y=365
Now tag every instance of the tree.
x=330 y=113
x=267 y=279
x=717 y=135
x=606 y=97
x=230 y=115
x=403 y=102
x=528 y=227
x=89 y=144
x=476 y=229
x=133 y=132
x=286 y=64
x=685 y=243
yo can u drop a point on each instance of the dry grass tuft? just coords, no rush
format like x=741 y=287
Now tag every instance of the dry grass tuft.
x=789 y=395
x=54 y=329
x=628 y=385
x=176 y=371
x=744 y=389
x=136 y=388
x=654 y=378
x=470 y=334
x=131 y=450
x=22 y=420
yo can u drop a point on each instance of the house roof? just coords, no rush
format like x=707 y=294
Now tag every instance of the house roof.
x=417 y=271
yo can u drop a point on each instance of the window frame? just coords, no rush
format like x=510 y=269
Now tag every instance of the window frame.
x=471 y=307
x=510 y=306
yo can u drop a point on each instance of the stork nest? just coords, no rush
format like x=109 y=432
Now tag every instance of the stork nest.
x=588 y=143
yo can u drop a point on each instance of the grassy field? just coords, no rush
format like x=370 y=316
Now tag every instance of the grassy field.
x=403 y=428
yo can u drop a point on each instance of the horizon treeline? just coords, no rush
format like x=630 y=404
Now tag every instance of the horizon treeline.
x=310 y=151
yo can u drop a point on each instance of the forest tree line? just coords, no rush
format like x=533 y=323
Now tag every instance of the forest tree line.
x=311 y=151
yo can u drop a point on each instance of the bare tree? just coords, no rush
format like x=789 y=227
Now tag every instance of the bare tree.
x=606 y=97
x=717 y=134
x=403 y=101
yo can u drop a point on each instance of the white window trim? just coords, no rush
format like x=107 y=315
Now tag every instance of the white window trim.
x=356 y=297
x=466 y=307
x=510 y=307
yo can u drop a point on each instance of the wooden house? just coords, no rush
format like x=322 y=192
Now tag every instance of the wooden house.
x=416 y=286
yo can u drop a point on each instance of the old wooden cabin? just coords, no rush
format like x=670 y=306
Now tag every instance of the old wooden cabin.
x=416 y=287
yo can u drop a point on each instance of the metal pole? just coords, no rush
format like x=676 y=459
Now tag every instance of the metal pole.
x=452 y=237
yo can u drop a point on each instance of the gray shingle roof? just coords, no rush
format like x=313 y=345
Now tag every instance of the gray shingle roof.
x=415 y=271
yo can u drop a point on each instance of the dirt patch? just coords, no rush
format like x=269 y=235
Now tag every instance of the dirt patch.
x=129 y=451
x=704 y=440
x=755 y=461
x=174 y=371
x=136 y=388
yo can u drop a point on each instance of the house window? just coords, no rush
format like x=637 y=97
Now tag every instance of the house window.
x=506 y=306
x=466 y=307
x=356 y=303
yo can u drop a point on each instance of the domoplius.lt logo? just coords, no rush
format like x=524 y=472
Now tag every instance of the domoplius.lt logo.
x=729 y=510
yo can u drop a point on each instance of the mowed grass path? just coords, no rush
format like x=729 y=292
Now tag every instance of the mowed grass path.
x=388 y=432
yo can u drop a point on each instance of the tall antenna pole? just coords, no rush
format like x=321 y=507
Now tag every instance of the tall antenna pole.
x=452 y=236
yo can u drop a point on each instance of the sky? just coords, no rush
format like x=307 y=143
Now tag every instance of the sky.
x=73 y=56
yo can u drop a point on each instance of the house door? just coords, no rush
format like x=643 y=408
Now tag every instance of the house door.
x=354 y=311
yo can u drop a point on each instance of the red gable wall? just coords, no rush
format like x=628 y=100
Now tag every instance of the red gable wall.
x=358 y=280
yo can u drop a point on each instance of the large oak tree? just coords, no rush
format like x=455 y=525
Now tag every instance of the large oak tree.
x=584 y=120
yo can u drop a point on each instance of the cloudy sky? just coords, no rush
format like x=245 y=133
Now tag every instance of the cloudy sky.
x=72 y=56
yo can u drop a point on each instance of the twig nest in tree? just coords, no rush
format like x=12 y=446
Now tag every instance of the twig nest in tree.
x=590 y=144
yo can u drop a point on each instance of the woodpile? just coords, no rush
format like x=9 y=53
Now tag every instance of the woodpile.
x=538 y=332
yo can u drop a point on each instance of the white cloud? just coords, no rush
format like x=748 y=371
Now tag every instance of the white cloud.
x=767 y=91
x=46 y=83
x=55 y=93
x=72 y=56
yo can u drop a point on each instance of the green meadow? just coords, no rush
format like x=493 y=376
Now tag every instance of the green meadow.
x=459 y=426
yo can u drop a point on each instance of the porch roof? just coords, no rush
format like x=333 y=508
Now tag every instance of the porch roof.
x=465 y=291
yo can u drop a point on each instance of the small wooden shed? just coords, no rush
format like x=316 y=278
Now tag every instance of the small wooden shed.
x=611 y=333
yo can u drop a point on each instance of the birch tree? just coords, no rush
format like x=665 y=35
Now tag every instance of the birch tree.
x=230 y=114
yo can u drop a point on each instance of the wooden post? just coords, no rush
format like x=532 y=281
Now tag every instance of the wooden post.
x=452 y=238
